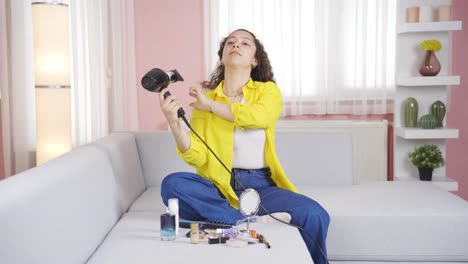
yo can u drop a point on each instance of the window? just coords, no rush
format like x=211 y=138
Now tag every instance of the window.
x=328 y=56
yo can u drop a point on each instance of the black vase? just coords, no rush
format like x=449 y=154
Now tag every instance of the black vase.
x=425 y=174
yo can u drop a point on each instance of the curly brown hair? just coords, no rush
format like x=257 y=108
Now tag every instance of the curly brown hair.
x=263 y=72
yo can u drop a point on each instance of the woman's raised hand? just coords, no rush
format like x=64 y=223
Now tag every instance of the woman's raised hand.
x=202 y=102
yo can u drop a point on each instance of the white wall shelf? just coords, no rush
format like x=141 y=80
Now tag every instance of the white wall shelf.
x=420 y=133
x=428 y=80
x=425 y=89
x=429 y=26
x=443 y=182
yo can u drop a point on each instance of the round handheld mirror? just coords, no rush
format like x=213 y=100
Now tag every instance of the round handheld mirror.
x=249 y=202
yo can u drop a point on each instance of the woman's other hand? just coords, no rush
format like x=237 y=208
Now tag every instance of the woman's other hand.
x=202 y=102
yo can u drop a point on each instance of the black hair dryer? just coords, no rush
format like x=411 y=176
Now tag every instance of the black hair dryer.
x=157 y=79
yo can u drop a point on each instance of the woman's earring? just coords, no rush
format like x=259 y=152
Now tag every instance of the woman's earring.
x=253 y=66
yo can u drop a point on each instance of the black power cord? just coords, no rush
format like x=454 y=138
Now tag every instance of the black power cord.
x=182 y=116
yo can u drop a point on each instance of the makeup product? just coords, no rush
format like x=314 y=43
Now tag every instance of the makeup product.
x=168 y=226
x=173 y=204
x=246 y=236
x=262 y=239
x=227 y=231
x=236 y=243
x=217 y=239
x=183 y=223
x=194 y=233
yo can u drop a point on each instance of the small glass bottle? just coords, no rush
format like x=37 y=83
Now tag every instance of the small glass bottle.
x=168 y=226
x=194 y=233
x=173 y=204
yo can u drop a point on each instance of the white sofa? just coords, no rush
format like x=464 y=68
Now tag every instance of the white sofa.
x=101 y=203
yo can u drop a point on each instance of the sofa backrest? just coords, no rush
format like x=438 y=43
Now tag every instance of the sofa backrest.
x=314 y=158
x=308 y=158
x=60 y=211
x=122 y=150
x=158 y=156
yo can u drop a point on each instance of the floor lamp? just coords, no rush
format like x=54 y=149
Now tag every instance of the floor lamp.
x=52 y=80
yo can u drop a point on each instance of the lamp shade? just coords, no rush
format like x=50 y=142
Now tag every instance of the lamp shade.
x=53 y=125
x=52 y=78
x=51 y=44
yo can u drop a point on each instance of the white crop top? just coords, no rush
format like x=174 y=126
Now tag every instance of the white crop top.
x=249 y=148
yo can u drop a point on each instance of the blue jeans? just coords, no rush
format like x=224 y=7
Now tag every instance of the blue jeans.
x=200 y=200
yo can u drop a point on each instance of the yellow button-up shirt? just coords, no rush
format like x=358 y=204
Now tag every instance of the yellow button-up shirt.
x=262 y=111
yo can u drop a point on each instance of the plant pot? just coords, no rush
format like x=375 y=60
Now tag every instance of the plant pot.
x=425 y=174
x=430 y=65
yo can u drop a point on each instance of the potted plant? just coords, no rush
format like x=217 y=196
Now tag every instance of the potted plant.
x=426 y=158
x=430 y=65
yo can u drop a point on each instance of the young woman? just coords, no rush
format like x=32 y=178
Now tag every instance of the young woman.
x=237 y=118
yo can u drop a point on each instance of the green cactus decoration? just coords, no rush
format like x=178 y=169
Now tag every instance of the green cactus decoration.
x=410 y=112
x=438 y=110
x=428 y=121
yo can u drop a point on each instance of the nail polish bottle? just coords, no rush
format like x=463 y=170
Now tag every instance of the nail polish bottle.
x=168 y=225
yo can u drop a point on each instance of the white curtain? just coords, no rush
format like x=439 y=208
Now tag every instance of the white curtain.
x=17 y=86
x=103 y=79
x=124 y=108
x=90 y=72
x=328 y=56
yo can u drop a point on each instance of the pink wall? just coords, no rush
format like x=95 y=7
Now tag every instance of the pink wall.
x=168 y=35
x=457 y=116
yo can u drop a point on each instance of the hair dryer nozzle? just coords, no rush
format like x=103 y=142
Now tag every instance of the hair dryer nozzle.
x=175 y=76
x=157 y=79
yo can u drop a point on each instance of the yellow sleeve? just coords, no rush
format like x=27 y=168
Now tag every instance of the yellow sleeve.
x=263 y=112
x=196 y=154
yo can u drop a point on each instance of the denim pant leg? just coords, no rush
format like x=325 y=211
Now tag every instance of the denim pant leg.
x=199 y=199
x=305 y=213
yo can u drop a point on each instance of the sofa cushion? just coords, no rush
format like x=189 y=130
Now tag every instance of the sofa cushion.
x=149 y=201
x=381 y=221
x=136 y=239
x=123 y=152
x=58 y=212
x=394 y=221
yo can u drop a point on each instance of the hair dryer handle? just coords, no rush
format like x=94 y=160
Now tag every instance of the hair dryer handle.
x=180 y=111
